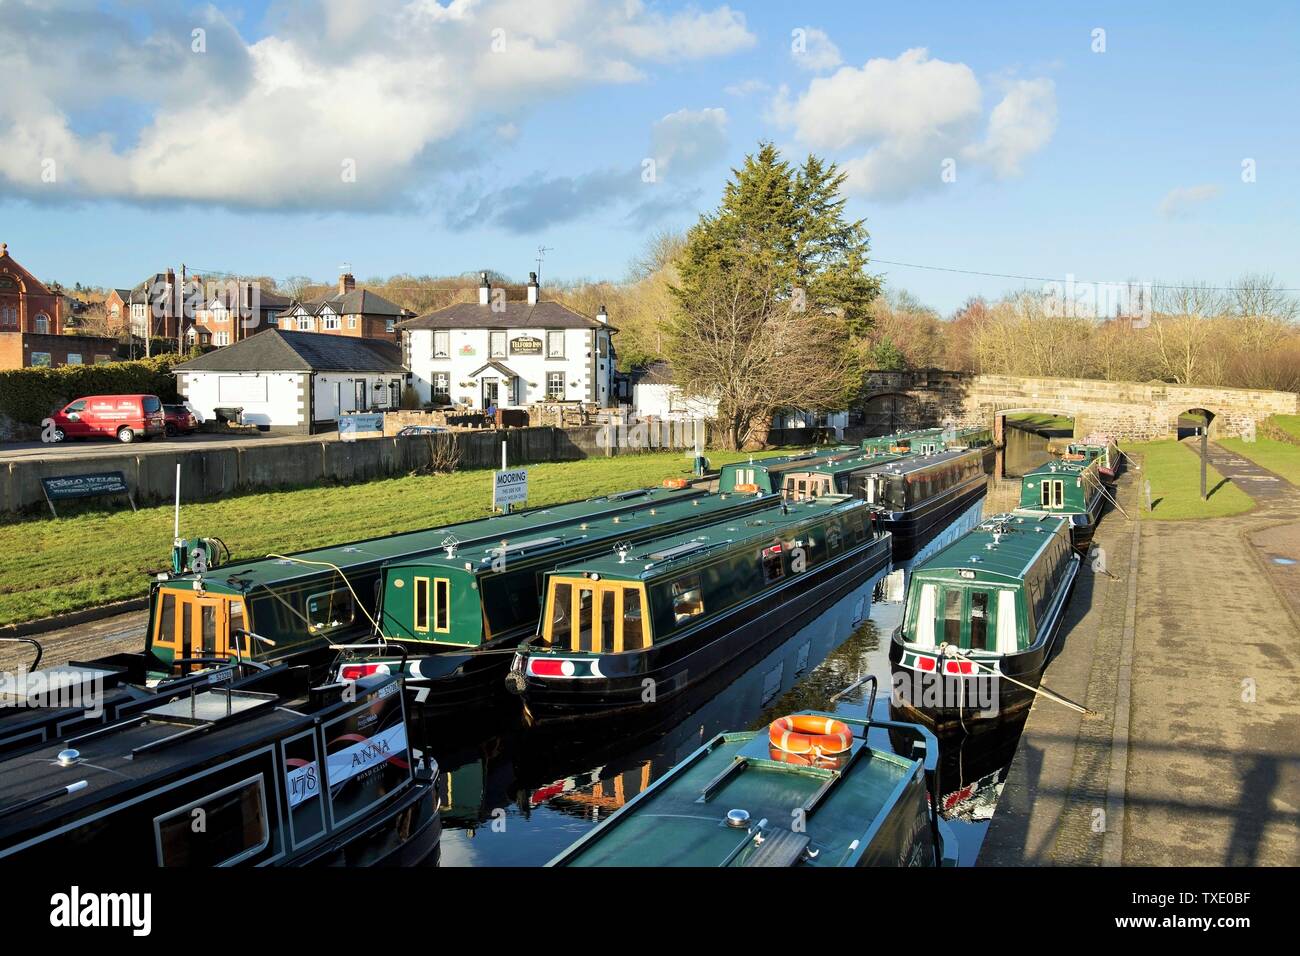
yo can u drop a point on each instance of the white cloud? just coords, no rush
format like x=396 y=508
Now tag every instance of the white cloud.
x=1180 y=201
x=901 y=118
x=746 y=88
x=394 y=90
x=814 y=51
x=689 y=140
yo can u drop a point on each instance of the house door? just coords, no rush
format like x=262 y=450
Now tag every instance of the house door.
x=359 y=394
x=489 y=393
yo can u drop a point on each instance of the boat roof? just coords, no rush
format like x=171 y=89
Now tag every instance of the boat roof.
x=895 y=464
x=652 y=558
x=1058 y=466
x=680 y=821
x=245 y=575
x=529 y=542
x=779 y=462
x=1016 y=540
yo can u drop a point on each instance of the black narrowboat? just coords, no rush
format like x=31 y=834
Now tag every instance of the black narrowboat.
x=914 y=496
x=623 y=632
x=319 y=775
x=981 y=620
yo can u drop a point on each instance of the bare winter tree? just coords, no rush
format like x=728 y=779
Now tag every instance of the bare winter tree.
x=756 y=354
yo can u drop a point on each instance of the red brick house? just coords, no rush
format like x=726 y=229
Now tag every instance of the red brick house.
x=31 y=324
x=353 y=312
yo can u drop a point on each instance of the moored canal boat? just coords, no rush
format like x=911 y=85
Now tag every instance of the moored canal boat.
x=314 y=775
x=986 y=608
x=764 y=474
x=624 y=632
x=1068 y=489
x=1110 y=458
x=914 y=496
x=297 y=607
x=456 y=616
x=763 y=798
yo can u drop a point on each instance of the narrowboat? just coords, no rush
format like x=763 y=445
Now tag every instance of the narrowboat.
x=313 y=775
x=40 y=705
x=298 y=607
x=451 y=620
x=915 y=497
x=808 y=790
x=764 y=474
x=984 y=609
x=623 y=632
x=1069 y=489
x=1111 y=459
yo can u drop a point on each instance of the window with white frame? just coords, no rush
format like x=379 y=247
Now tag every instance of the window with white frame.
x=555 y=386
x=352 y=321
x=305 y=323
x=555 y=343
x=220 y=338
x=330 y=322
x=442 y=345
x=442 y=388
x=497 y=344
x=390 y=325
x=42 y=323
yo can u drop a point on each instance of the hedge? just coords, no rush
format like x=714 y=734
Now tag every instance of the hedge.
x=28 y=395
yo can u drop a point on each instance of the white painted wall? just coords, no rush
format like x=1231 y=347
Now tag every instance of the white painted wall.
x=277 y=399
x=470 y=349
x=667 y=401
x=335 y=392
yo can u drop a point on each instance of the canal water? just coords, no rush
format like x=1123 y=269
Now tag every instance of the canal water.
x=517 y=796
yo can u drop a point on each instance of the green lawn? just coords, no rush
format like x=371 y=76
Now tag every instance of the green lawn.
x=1043 y=421
x=1288 y=423
x=53 y=566
x=1278 y=457
x=1174 y=471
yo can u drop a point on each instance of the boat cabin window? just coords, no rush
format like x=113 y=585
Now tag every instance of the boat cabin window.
x=610 y=617
x=925 y=615
x=773 y=564
x=1052 y=493
x=952 y=616
x=219 y=829
x=745 y=476
x=331 y=609
x=432 y=605
x=688 y=599
x=979 y=621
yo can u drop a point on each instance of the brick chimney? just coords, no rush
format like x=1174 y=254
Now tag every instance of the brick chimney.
x=346 y=283
x=484 y=290
x=532 y=288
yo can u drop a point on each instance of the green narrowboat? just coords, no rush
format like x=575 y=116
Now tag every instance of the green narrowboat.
x=914 y=496
x=986 y=608
x=764 y=474
x=1110 y=459
x=298 y=607
x=622 y=632
x=1069 y=489
x=742 y=800
x=458 y=614
x=919 y=441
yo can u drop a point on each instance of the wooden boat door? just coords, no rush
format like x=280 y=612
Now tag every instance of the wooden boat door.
x=194 y=625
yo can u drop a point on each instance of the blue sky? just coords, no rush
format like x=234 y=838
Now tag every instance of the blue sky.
x=1107 y=165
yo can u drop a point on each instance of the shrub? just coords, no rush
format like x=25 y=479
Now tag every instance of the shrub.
x=28 y=395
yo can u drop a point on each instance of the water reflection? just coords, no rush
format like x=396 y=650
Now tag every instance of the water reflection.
x=516 y=796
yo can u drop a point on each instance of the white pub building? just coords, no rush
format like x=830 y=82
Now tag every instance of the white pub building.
x=510 y=353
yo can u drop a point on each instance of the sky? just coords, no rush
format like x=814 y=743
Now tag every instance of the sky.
x=1100 y=141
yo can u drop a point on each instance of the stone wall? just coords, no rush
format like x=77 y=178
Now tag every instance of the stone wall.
x=1129 y=411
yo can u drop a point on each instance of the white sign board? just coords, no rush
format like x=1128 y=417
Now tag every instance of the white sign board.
x=510 y=487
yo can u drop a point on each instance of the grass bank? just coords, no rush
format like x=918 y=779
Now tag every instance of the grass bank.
x=1174 y=471
x=1279 y=457
x=52 y=566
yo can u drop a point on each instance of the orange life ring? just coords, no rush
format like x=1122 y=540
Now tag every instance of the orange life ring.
x=810 y=734
x=745 y=488
x=675 y=482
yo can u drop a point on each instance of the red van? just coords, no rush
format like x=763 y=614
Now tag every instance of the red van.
x=124 y=417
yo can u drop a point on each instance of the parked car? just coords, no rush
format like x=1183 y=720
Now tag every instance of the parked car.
x=124 y=417
x=179 y=420
x=410 y=430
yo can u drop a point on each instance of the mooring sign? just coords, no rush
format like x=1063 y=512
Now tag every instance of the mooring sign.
x=510 y=487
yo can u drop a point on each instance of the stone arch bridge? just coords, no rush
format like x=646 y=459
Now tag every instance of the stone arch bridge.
x=1127 y=411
